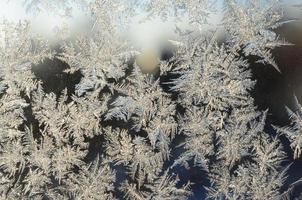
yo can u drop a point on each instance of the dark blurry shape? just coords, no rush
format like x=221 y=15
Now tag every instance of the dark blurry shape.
x=149 y=59
x=53 y=77
x=167 y=51
x=290 y=58
x=276 y=91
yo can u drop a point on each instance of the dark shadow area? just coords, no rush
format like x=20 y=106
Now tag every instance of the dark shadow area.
x=53 y=77
x=275 y=91
x=167 y=51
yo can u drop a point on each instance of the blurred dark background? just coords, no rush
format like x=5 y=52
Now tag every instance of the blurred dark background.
x=275 y=91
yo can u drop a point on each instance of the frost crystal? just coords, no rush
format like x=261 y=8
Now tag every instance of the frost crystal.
x=123 y=133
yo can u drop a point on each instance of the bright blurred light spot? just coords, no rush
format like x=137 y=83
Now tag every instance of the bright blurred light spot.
x=151 y=34
x=46 y=24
